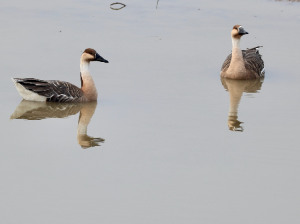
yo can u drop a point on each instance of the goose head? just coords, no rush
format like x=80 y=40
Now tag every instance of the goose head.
x=90 y=54
x=238 y=31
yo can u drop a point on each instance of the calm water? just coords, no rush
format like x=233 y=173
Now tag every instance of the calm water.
x=181 y=145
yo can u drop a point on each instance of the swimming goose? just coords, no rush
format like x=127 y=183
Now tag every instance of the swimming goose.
x=59 y=91
x=242 y=64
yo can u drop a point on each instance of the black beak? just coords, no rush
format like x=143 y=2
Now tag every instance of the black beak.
x=242 y=31
x=99 y=58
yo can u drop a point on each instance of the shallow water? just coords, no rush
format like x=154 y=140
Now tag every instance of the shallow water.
x=172 y=151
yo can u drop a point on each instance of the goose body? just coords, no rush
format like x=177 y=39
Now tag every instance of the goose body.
x=242 y=64
x=59 y=91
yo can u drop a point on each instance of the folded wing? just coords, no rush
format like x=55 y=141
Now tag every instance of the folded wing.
x=252 y=59
x=53 y=90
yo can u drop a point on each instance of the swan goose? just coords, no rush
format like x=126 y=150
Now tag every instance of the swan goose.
x=59 y=91
x=242 y=64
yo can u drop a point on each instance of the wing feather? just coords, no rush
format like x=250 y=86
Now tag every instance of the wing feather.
x=253 y=62
x=226 y=63
x=53 y=90
x=252 y=59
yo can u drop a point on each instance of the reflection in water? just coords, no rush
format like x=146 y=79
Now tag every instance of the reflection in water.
x=31 y=110
x=236 y=89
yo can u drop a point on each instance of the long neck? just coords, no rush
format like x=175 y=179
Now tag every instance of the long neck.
x=237 y=66
x=87 y=83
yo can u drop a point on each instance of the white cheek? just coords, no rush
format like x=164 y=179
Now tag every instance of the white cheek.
x=84 y=67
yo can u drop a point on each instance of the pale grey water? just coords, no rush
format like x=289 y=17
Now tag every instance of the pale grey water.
x=168 y=155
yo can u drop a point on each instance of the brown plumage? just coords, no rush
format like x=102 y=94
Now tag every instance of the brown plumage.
x=253 y=63
x=242 y=64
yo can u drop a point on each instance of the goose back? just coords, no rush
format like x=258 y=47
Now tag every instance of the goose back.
x=253 y=63
x=53 y=90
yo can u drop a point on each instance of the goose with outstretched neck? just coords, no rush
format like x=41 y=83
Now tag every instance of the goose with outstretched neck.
x=242 y=64
x=60 y=91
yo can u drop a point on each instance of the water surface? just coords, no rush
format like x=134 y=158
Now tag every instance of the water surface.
x=170 y=154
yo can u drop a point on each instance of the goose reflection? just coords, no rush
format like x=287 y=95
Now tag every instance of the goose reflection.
x=236 y=89
x=32 y=110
